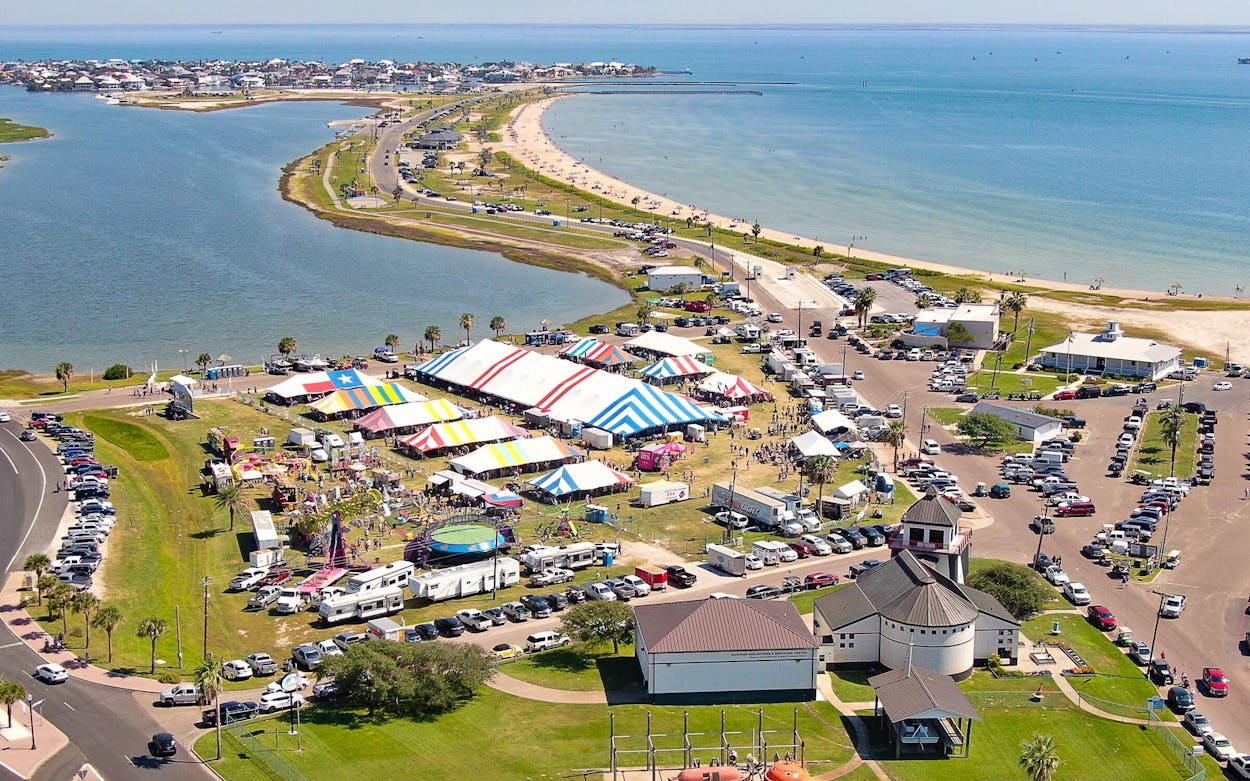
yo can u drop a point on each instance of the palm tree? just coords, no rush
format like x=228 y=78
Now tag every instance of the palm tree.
x=644 y=311
x=863 y=302
x=209 y=676
x=45 y=584
x=232 y=500
x=755 y=231
x=894 y=436
x=391 y=341
x=65 y=373
x=153 y=629
x=925 y=301
x=498 y=325
x=58 y=600
x=1171 y=423
x=634 y=201
x=86 y=604
x=681 y=289
x=467 y=321
x=433 y=335
x=819 y=470
x=11 y=692
x=203 y=361
x=38 y=563
x=967 y=295
x=1015 y=303
x=287 y=345
x=1039 y=758
x=108 y=618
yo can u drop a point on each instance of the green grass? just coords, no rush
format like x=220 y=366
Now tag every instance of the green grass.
x=138 y=442
x=1154 y=455
x=1010 y=382
x=503 y=737
x=947 y=416
x=852 y=685
x=11 y=131
x=578 y=668
x=804 y=600
x=1118 y=679
x=21 y=384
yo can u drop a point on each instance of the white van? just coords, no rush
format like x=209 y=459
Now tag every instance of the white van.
x=774 y=551
x=545 y=641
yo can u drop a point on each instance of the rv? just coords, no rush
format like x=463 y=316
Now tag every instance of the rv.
x=467 y=579
x=361 y=605
x=575 y=556
x=393 y=575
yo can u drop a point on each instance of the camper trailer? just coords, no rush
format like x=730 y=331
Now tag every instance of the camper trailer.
x=466 y=579
x=393 y=575
x=575 y=556
x=361 y=605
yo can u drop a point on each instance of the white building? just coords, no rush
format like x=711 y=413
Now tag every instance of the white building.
x=714 y=651
x=932 y=327
x=1030 y=426
x=665 y=278
x=1111 y=352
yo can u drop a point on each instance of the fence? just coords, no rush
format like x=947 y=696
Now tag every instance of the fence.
x=1175 y=748
x=264 y=756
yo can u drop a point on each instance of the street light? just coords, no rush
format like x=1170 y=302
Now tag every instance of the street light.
x=1158 y=614
x=183 y=352
x=800 y=305
x=30 y=706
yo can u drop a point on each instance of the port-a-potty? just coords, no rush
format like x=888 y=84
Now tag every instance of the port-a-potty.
x=608 y=558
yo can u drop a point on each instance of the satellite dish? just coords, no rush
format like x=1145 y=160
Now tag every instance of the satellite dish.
x=290 y=682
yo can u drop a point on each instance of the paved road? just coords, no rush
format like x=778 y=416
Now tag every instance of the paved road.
x=105 y=726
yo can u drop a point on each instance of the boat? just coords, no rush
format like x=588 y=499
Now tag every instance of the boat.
x=1243 y=60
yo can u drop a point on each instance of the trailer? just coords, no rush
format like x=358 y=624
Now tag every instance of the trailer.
x=655 y=577
x=301 y=437
x=392 y=575
x=385 y=629
x=361 y=605
x=466 y=580
x=575 y=556
x=662 y=492
x=727 y=560
x=762 y=509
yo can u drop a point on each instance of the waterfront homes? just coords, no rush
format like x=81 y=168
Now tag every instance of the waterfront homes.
x=1112 y=353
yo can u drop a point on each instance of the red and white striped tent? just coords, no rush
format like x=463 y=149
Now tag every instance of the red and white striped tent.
x=730 y=387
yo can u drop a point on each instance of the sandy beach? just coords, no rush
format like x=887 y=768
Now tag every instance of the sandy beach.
x=1214 y=331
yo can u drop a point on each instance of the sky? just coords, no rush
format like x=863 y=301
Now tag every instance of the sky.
x=1120 y=12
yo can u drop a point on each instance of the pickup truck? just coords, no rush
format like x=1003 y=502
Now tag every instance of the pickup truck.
x=182 y=694
x=248 y=578
x=474 y=619
x=276 y=577
x=261 y=664
x=264 y=598
x=289 y=600
x=1173 y=606
x=680 y=576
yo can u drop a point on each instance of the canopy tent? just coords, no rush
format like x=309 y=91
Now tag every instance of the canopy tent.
x=189 y=383
x=406 y=417
x=588 y=477
x=672 y=368
x=502 y=498
x=365 y=398
x=515 y=456
x=653 y=458
x=733 y=388
x=592 y=351
x=833 y=422
x=658 y=343
x=812 y=444
x=561 y=389
x=461 y=432
x=852 y=491
x=318 y=384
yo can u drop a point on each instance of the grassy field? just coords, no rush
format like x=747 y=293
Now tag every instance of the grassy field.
x=947 y=416
x=852 y=685
x=1118 y=679
x=804 y=600
x=1154 y=455
x=21 y=384
x=578 y=667
x=11 y=131
x=511 y=738
x=1011 y=382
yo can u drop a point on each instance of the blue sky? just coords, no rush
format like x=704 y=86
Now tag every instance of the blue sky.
x=1128 y=12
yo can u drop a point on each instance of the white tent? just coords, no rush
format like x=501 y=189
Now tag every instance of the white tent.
x=515 y=455
x=831 y=420
x=320 y=383
x=578 y=478
x=666 y=344
x=852 y=491
x=811 y=444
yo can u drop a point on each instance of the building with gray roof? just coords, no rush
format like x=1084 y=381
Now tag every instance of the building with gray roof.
x=1111 y=352
x=1030 y=426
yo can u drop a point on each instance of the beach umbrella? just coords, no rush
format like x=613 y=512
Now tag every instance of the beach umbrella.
x=223 y=358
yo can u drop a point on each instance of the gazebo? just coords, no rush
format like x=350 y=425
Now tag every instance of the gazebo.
x=925 y=712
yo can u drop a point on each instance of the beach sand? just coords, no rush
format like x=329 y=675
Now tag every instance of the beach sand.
x=1212 y=331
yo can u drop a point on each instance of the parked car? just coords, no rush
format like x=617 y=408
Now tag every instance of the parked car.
x=261 y=664
x=426 y=632
x=273 y=701
x=1173 y=606
x=1197 y=723
x=1101 y=617
x=515 y=611
x=1180 y=699
x=552 y=577
x=1218 y=746
x=236 y=670
x=230 y=712
x=680 y=576
x=345 y=640
x=820 y=579
x=1055 y=574
x=307 y=657
x=1160 y=672
x=449 y=626
x=506 y=651
x=1239 y=764
x=182 y=694
x=763 y=591
x=1076 y=593
x=1139 y=652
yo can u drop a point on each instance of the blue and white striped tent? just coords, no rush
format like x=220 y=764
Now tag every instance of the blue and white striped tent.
x=580 y=478
x=676 y=366
x=646 y=407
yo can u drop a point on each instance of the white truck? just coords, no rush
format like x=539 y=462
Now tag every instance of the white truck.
x=727 y=560
x=774 y=551
x=466 y=580
x=543 y=557
x=361 y=605
x=290 y=600
x=182 y=694
x=762 y=509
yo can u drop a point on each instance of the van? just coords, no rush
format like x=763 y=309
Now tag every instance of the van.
x=545 y=641
x=732 y=519
x=767 y=553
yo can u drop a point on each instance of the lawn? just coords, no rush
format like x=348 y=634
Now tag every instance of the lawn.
x=947 y=416
x=852 y=685
x=135 y=440
x=511 y=738
x=804 y=600
x=1154 y=455
x=578 y=667
x=1118 y=679
x=1011 y=382
x=11 y=131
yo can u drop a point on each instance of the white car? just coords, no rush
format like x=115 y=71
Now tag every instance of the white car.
x=721 y=595
x=1218 y=746
x=773 y=317
x=1222 y=386
x=930 y=447
x=819 y=547
x=1133 y=423
x=754 y=562
x=1056 y=575
x=319 y=455
x=1076 y=593
x=5 y=417
x=1240 y=765
x=51 y=673
x=236 y=670
x=857 y=375
x=639 y=585
x=279 y=700
x=329 y=648
x=893 y=411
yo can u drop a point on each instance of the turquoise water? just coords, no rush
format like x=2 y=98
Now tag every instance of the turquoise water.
x=135 y=233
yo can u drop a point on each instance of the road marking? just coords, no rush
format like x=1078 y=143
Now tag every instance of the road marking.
x=9 y=458
x=71 y=707
x=131 y=761
x=12 y=645
x=43 y=492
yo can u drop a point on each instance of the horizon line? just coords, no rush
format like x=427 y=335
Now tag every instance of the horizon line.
x=1062 y=26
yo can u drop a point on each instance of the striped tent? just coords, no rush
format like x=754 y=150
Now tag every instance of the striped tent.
x=585 y=478
x=462 y=432
x=592 y=351
x=733 y=388
x=519 y=454
x=365 y=397
x=400 y=418
x=675 y=367
x=645 y=408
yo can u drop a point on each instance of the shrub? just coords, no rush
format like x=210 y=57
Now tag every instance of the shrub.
x=169 y=677
x=118 y=371
x=1017 y=587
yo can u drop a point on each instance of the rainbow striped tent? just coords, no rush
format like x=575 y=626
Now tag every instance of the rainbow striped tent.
x=402 y=418
x=518 y=455
x=365 y=397
x=462 y=432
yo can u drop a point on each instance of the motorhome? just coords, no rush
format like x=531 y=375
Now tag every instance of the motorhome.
x=467 y=579
x=575 y=556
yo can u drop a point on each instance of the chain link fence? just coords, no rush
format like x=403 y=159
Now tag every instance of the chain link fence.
x=262 y=747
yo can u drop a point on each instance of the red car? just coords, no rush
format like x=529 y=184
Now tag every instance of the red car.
x=1075 y=510
x=801 y=549
x=1064 y=395
x=1101 y=617
x=820 y=580
x=1215 y=681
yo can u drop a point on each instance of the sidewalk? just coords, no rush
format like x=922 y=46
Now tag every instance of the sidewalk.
x=16 y=755
x=529 y=691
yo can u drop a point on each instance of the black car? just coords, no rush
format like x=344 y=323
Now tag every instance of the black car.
x=537 y=605
x=449 y=626
x=428 y=631
x=876 y=537
x=1145 y=387
x=679 y=576
x=599 y=329
x=231 y=712
x=855 y=536
x=163 y=745
x=763 y=591
x=556 y=601
x=1160 y=672
x=1088 y=392
x=1180 y=699
x=28 y=435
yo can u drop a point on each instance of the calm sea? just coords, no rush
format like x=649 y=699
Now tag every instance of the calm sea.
x=1064 y=153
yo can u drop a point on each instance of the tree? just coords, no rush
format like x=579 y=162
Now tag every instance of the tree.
x=45 y=584
x=863 y=302
x=11 y=692
x=634 y=201
x=391 y=341
x=1039 y=758
x=210 y=677
x=925 y=301
x=467 y=321
x=108 y=618
x=819 y=469
x=287 y=345
x=755 y=231
x=486 y=155
x=58 y=600
x=38 y=563
x=985 y=427
x=118 y=371
x=1171 y=424
x=1015 y=303
x=1017 y=587
x=433 y=335
x=232 y=500
x=894 y=436
x=957 y=335
x=85 y=604
x=967 y=295
x=397 y=193
x=402 y=678
x=65 y=373
x=600 y=622
x=153 y=629
x=681 y=289
x=498 y=325
x=203 y=361
x=818 y=251
x=644 y=311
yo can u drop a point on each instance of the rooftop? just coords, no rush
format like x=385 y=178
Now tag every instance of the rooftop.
x=919 y=693
x=1014 y=415
x=705 y=625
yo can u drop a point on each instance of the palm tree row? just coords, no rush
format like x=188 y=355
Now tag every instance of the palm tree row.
x=64 y=599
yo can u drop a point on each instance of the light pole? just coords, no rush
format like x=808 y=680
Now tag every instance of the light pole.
x=1158 y=614
x=30 y=706
x=1041 y=534
x=183 y=352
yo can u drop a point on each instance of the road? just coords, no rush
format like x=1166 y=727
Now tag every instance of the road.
x=105 y=726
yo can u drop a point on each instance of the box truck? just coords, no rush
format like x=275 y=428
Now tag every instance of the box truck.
x=727 y=560
x=662 y=492
x=575 y=556
x=465 y=579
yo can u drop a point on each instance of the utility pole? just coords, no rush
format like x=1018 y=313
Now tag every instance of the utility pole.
x=178 y=631
x=905 y=405
x=1155 y=636
x=727 y=538
x=1028 y=343
x=924 y=411
x=204 y=581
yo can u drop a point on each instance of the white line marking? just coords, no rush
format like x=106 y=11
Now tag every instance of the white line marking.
x=131 y=761
x=43 y=493
x=71 y=707
x=9 y=458
x=12 y=645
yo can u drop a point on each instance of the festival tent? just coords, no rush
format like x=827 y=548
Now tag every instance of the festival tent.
x=586 y=478
x=317 y=384
x=401 y=418
x=653 y=458
x=833 y=422
x=592 y=351
x=365 y=398
x=502 y=498
x=733 y=388
x=562 y=390
x=461 y=432
x=659 y=343
x=673 y=368
x=515 y=456
x=812 y=444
